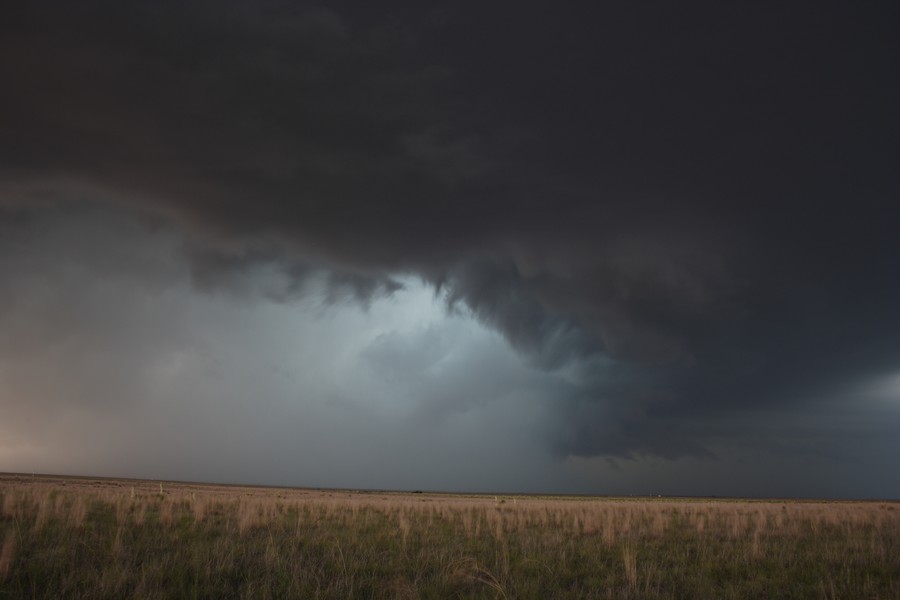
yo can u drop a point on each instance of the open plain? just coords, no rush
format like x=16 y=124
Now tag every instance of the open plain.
x=117 y=538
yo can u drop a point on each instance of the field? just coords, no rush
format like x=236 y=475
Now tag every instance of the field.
x=105 y=538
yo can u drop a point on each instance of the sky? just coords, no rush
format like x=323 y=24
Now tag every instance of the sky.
x=596 y=248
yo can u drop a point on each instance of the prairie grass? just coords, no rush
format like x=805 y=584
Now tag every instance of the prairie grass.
x=109 y=539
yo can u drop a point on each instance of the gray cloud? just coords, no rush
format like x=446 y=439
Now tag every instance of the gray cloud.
x=129 y=368
x=682 y=220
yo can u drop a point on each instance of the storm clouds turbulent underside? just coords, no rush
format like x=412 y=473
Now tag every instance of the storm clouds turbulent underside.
x=682 y=219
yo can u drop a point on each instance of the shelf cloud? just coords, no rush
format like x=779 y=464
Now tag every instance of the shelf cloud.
x=623 y=235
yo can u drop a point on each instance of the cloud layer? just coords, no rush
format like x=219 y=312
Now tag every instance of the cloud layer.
x=682 y=220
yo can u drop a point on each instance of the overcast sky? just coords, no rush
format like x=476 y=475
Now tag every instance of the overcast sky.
x=605 y=247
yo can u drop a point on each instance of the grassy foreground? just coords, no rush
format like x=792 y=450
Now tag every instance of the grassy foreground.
x=76 y=538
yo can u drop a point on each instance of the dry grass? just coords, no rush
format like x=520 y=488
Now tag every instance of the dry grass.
x=106 y=538
x=7 y=554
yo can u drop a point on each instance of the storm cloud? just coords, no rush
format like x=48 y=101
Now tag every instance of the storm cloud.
x=650 y=234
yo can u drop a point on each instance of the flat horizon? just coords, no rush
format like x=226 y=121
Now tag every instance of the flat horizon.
x=437 y=492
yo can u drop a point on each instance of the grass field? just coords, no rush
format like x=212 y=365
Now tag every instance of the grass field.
x=94 y=538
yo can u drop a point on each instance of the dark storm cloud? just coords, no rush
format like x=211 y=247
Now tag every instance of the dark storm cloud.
x=692 y=208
